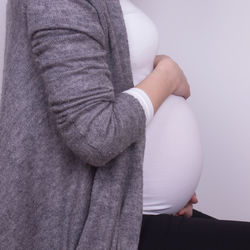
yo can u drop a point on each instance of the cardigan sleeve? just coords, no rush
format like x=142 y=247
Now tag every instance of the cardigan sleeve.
x=67 y=41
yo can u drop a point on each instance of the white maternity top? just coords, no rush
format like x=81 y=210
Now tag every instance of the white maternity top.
x=173 y=156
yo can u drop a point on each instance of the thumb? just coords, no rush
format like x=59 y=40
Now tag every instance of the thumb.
x=194 y=199
x=157 y=59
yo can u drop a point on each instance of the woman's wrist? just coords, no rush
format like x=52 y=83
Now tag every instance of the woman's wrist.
x=164 y=72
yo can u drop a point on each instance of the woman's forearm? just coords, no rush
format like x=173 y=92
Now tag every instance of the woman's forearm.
x=158 y=87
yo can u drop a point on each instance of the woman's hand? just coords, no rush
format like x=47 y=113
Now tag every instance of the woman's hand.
x=159 y=58
x=175 y=75
x=187 y=211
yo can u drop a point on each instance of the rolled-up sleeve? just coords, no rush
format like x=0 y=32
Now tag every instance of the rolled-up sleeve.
x=68 y=44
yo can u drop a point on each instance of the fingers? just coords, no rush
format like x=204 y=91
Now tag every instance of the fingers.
x=194 y=199
x=182 y=212
x=186 y=211
x=188 y=93
x=158 y=58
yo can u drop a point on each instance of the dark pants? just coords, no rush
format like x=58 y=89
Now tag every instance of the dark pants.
x=200 y=232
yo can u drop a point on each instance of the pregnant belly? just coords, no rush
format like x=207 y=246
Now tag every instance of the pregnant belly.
x=172 y=159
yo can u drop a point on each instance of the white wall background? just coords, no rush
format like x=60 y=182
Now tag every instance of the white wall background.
x=210 y=40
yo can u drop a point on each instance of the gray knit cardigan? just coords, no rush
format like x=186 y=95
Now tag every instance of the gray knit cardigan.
x=71 y=144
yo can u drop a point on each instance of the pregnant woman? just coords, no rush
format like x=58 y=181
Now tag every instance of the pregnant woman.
x=172 y=159
x=98 y=147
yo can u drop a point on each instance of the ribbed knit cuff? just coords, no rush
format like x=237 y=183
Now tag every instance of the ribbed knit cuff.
x=144 y=100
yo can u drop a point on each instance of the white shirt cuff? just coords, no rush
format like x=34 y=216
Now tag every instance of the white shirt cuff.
x=144 y=100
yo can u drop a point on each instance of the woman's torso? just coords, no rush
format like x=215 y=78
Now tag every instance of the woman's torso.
x=173 y=157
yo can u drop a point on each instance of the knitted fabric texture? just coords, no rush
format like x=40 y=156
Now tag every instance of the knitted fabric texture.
x=71 y=144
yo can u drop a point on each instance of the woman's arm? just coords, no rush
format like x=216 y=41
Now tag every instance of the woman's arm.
x=67 y=41
x=68 y=44
x=166 y=79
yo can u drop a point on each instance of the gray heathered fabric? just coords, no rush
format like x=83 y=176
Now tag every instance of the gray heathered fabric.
x=71 y=144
